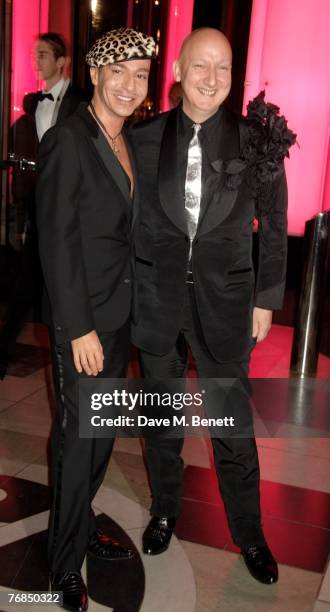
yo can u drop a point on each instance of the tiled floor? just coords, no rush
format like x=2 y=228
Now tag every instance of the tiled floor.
x=201 y=571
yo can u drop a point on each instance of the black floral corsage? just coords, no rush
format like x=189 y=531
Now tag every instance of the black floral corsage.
x=268 y=142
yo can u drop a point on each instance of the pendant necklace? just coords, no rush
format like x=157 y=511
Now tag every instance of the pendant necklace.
x=113 y=139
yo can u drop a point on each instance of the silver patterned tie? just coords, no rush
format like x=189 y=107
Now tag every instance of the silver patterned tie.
x=193 y=185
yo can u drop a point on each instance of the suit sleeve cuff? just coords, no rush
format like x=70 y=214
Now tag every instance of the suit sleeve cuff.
x=270 y=299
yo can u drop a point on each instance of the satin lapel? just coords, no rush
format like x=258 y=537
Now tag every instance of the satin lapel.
x=112 y=165
x=219 y=200
x=170 y=194
x=64 y=107
x=32 y=104
x=220 y=205
x=135 y=199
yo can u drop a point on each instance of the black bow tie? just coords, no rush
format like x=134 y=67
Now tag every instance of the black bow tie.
x=42 y=96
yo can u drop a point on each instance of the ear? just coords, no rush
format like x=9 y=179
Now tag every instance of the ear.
x=177 y=71
x=61 y=61
x=94 y=74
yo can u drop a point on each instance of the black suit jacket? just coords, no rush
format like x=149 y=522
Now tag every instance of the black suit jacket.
x=225 y=285
x=24 y=143
x=84 y=215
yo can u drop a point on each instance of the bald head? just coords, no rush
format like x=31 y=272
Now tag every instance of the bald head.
x=204 y=70
x=200 y=36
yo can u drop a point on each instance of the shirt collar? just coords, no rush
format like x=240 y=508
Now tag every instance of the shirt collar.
x=208 y=126
x=56 y=89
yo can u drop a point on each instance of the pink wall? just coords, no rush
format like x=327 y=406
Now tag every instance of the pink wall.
x=289 y=52
x=29 y=19
x=179 y=24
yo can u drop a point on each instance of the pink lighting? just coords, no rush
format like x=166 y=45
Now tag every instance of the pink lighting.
x=29 y=19
x=289 y=49
x=179 y=24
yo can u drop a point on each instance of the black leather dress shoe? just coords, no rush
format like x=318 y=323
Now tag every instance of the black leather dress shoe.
x=73 y=588
x=261 y=564
x=104 y=547
x=157 y=536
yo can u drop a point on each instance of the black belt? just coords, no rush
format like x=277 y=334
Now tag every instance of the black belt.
x=189 y=278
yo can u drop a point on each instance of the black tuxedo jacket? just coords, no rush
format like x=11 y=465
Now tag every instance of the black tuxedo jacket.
x=84 y=216
x=24 y=142
x=71 y=100
x=225 y=285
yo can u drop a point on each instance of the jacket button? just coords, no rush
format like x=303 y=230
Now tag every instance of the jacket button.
x=127 y=280
x=58 y=328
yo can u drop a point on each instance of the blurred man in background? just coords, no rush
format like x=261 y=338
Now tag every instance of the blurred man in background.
x=42 y=109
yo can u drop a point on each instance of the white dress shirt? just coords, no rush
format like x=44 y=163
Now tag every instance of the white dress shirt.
x=45 y=108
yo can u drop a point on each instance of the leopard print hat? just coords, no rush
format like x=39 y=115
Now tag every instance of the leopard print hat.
x=119 y=46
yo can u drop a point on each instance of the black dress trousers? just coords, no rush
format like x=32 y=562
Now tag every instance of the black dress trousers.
x=78 y=464
x=235 y=458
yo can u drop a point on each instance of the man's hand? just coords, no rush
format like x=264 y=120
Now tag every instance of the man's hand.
x=262 y=321
x=88 y=354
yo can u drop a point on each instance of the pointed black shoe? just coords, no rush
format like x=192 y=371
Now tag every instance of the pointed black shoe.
x=104 y=547
x=157 y=536
x=261 y=564
x=73 y=588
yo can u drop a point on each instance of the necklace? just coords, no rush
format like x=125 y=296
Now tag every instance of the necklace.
x=113 y=139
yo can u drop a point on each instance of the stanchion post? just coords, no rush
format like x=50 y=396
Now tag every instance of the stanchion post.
x=307 y=333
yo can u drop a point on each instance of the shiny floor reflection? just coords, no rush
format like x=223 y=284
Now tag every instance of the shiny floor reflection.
x=202 y=570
